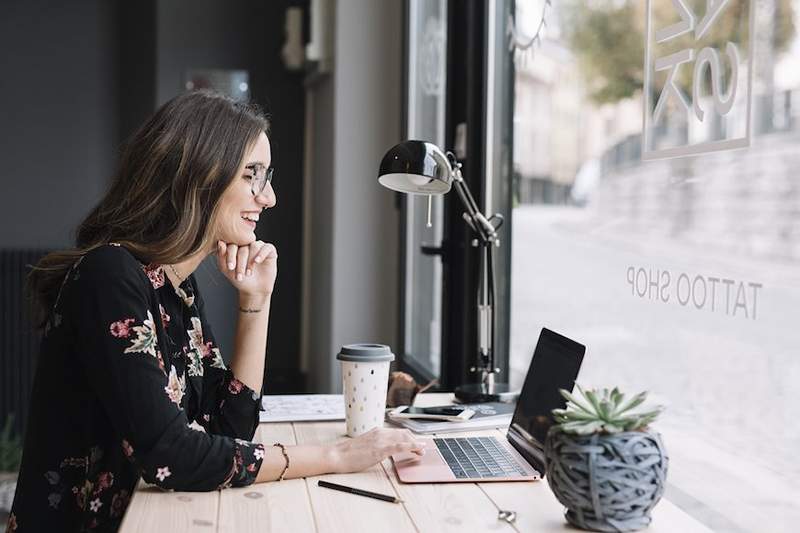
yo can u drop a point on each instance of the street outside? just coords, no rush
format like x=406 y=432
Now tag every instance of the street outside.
x=727 y=370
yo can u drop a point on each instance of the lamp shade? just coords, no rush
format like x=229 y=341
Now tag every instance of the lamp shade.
x=416 y=167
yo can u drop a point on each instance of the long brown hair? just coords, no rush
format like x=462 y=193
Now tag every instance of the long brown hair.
x=162 y=202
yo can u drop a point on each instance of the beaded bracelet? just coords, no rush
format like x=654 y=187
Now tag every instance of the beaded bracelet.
x=286 y=457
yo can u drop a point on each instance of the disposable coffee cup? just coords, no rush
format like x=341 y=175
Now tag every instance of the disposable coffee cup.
x=365 y=376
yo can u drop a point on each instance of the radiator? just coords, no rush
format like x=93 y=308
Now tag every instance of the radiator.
x=19 y=342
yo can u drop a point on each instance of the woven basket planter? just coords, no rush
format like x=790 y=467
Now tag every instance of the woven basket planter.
x=606 y=482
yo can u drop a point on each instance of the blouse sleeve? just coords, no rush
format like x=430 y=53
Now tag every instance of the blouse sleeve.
x=228 y=406
x=110 y=312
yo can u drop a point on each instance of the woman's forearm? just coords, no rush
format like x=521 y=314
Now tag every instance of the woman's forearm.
x=249 y=355
x=304 y=461
x=346 y=455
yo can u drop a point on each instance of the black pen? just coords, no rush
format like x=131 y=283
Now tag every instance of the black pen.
x=360 y=492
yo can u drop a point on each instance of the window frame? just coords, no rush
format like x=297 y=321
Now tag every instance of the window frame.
x=469 y=57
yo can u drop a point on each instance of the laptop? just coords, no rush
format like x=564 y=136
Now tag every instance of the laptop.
x=555 y=365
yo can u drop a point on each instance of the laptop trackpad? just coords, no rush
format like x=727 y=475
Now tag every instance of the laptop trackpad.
x=411 y=468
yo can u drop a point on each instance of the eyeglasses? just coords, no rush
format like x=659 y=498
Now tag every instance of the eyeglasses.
x=259 y=175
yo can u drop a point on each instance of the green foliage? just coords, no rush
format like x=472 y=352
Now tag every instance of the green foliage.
x=10 y=447
x=603 y=411
x=607 y=37
x=608 y=45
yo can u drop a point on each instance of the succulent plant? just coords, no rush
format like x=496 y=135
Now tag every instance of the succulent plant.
x=603 y=411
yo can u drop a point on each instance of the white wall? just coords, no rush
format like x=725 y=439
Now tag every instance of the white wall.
x=353 y=289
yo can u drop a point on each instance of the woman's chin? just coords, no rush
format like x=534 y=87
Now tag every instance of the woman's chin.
x=247 y=239
x=240 y=239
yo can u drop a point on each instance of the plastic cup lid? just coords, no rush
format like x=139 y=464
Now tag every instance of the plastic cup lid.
x=365 y=353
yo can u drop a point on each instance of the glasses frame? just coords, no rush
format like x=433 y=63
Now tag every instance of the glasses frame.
x=259 y=176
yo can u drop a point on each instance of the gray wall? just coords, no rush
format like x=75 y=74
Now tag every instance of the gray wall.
x=58 y=97
x=78 y=78
x=355 y=265
x=319 y=279
x=66 y=80
x=202 y=34
x=248 y=35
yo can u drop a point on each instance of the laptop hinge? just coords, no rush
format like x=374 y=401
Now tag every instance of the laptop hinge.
x=529 y=448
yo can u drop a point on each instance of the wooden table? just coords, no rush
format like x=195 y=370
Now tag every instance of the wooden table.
x=299 y=505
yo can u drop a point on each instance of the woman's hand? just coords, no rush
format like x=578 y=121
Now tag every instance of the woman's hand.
x=359 y=453
x=251 y=269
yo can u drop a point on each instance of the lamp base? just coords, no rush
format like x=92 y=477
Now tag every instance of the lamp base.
x=479 y=393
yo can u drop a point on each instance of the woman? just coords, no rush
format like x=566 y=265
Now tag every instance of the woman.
x=130 y=382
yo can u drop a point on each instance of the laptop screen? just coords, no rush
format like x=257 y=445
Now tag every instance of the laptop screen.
x=554 y=366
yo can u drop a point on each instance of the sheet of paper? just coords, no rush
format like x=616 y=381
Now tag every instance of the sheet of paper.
x=436 y=426
x=302 y=407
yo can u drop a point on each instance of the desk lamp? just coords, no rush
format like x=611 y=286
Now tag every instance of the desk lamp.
x=418 y=167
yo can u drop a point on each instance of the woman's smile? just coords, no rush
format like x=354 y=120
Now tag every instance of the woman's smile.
x=250 y=218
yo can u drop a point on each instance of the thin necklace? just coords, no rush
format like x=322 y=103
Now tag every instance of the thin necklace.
x=180 y=279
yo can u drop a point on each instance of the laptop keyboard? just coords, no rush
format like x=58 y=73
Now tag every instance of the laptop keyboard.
x=478 y=457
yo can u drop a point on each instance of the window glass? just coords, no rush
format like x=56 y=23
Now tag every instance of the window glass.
x=497 y=187
x=679 y=274
x=427 y=57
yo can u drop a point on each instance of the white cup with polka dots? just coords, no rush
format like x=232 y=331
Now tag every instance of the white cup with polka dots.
x=365 y=376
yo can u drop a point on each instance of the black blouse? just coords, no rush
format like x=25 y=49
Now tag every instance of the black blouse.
x=128 y=363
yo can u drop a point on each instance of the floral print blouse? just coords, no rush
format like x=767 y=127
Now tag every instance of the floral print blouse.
x=129 y=384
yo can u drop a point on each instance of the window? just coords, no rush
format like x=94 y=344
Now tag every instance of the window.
x=451 y=102
x=425 y=120
x=680 y=275
x=497 y=188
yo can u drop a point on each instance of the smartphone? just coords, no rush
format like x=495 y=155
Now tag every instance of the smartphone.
x=445 y=412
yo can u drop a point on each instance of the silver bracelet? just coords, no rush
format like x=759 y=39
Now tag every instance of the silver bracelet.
x=248 y=310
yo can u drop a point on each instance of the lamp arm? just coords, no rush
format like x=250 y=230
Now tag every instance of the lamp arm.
x=491 y=280
x=487 y=233
x=463 y=192
x=476 y=219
